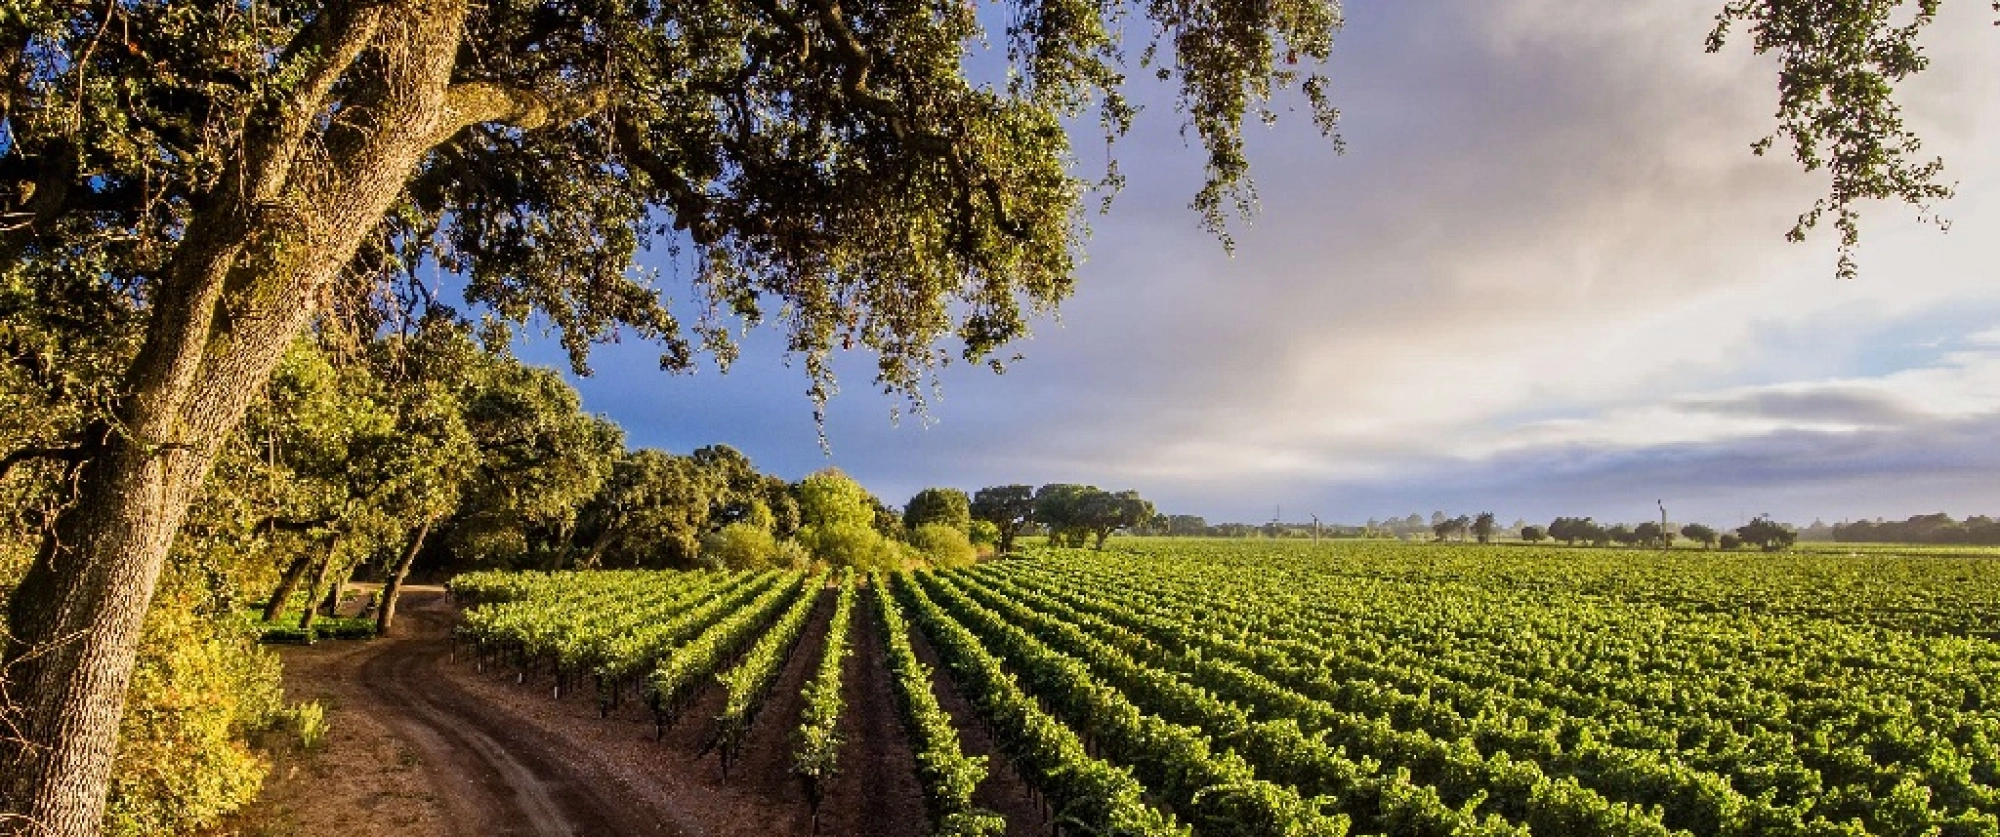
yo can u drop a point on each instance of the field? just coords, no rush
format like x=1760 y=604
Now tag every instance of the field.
x=1252 y=688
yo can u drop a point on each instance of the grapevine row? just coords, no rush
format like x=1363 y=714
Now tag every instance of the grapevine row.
x=1087 y=793
x=817 y=755
x=947 y=774
x=747 y=684
x=682 y=667
x=1219 y=791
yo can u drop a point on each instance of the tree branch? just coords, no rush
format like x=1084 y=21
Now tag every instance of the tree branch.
x=475 y=102
x=61 y=454
x=318 y=55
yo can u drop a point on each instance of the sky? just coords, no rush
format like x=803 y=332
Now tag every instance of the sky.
x=1546 y=278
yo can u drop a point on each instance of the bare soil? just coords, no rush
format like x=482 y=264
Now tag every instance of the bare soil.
x=421 y=741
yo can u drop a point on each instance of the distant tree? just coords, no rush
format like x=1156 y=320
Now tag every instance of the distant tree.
x=948 y=506
x=1533 y=534
x=1730 y=541
x=1936 y=528
x=888 y=521
x=1445 y=528
x=1622 y=535
x=741 y=545
x=1007 y=507
x=1569 y=530
x=1482 y=527
x=423 y=373
x=1700 y=534
x=1563 y=529
x=1059 y=508
x=783 y=505
x=1767 y=534
x=1651 y=534
x=653 y=512
x=1104 y=512
x=541 y=458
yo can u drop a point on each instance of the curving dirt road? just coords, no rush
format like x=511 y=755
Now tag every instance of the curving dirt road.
x=420 y=743
x=497 y=771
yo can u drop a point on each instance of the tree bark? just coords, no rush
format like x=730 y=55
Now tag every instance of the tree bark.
x=243 y=282
x=289 y=582
x=393 y=588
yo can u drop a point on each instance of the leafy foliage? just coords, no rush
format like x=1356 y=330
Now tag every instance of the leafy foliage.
x=948 y=775
x=838 y=523
x=1767 y=534
x=945 y=506
x=1838 y=67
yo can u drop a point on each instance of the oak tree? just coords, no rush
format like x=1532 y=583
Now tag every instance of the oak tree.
x=1007 y=507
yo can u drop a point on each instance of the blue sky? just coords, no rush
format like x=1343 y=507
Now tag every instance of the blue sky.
x=1546 y=278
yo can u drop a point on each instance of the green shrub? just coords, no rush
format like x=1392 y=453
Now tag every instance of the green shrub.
x=847 y=545
x=201 y=688
x=792 y=555
x=306 y=722
x=943 y=545
x=984 y=533
x=742 y=545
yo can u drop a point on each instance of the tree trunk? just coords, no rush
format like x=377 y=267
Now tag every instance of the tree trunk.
x=393 y=588
x=294 y=573
x=311 y=611
x=597 y=547
x=245 y=280
x=329 y=605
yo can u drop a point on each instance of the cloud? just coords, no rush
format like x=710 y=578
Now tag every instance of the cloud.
x=1548 y=273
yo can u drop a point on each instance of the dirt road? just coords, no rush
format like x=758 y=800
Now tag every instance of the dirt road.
x=420 y=743
x=498 y=771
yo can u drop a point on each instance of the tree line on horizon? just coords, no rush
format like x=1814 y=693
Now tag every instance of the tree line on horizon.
x=1939 y=528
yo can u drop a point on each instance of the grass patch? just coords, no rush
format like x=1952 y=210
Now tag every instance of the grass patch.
x=286 y=628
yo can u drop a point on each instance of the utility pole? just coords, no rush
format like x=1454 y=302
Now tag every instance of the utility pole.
x=1315 y=528
x=1666 y=537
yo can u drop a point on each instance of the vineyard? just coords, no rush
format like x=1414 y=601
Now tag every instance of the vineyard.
x=1267 y=688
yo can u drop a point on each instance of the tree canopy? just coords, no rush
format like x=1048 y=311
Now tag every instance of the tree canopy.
x=946 y=506
x=1007 y=507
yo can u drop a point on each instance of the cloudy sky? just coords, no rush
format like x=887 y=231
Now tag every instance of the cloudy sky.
x=1546 y=278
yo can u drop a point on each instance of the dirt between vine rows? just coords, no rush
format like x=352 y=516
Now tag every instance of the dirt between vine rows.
x=422 y=741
